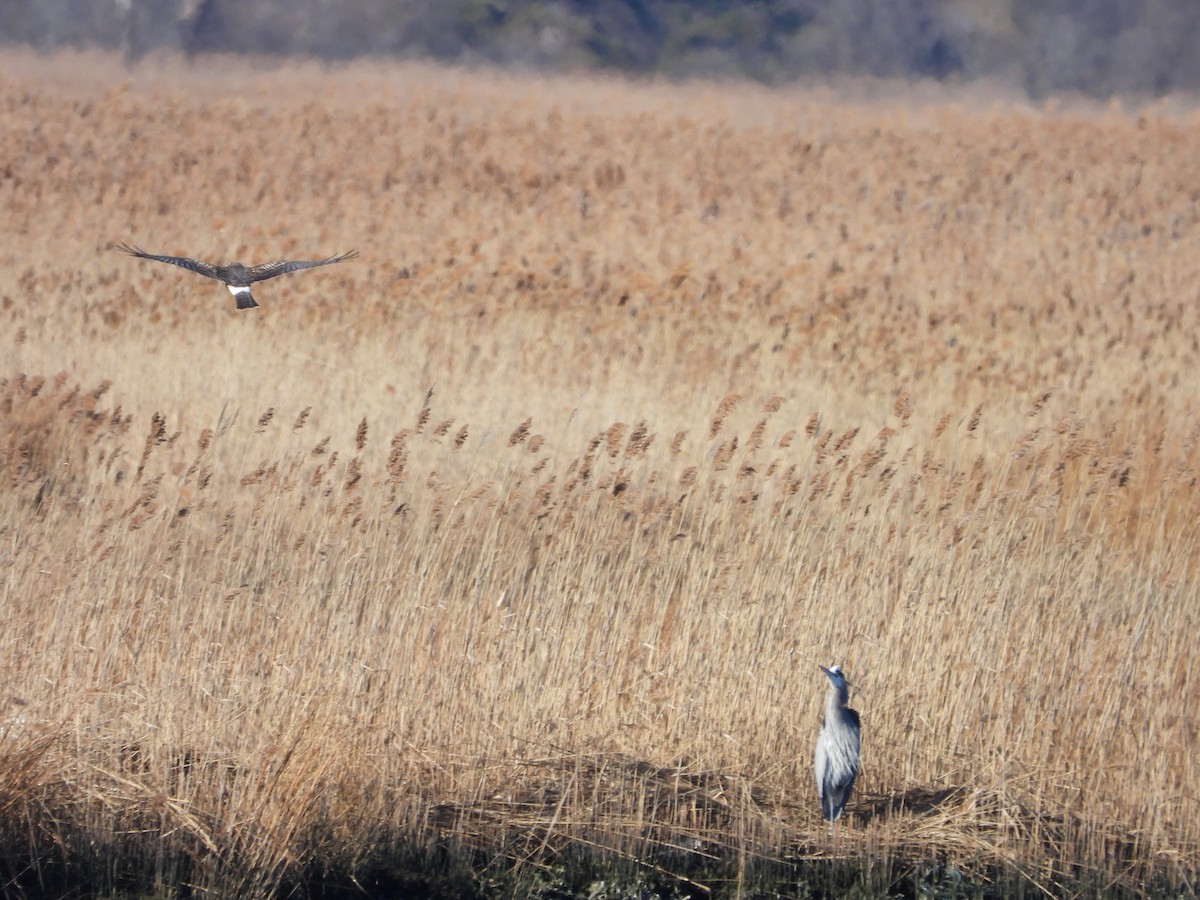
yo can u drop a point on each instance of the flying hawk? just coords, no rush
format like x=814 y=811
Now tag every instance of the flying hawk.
x=237 y=277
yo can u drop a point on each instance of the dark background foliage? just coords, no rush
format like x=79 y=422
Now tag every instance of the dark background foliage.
x=1097 y=47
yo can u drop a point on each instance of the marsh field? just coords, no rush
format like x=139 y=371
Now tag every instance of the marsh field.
x=509 y=549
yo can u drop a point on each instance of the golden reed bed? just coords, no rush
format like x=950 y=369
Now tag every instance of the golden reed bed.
x=527 y=529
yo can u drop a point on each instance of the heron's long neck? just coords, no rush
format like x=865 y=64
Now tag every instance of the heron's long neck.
x=836 y=699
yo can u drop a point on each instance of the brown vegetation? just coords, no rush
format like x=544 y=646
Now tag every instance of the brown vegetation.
x=527 y=529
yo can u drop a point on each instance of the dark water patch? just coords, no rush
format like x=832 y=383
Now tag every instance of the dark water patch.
x=73 y=866
x=580 y=873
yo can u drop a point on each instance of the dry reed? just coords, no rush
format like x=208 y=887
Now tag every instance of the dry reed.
x=527 y=530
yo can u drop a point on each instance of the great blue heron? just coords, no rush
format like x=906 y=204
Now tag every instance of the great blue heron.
x=237 y=277
x=835 y=762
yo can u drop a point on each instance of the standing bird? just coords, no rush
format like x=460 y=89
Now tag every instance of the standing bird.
x=835 y=762
x=237 y=277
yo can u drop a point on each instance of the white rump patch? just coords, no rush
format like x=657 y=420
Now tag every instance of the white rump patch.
x=238 y=291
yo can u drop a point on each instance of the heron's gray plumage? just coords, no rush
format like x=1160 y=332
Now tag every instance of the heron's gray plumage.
x=835 y=762
x=237 y=277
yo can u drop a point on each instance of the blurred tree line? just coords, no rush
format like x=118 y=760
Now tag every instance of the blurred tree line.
x=1099 y=47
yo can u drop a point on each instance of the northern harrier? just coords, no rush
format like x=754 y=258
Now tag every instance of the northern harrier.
x=237 y=277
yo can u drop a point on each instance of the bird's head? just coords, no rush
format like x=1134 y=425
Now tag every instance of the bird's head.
x=835 y=675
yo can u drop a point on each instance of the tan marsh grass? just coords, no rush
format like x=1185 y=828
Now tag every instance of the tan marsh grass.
x=525 y=531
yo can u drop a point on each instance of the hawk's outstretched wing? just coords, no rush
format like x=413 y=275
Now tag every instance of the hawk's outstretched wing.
x=195 y=265
x=283 y=266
